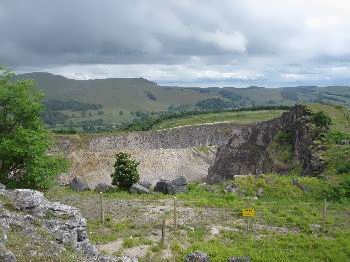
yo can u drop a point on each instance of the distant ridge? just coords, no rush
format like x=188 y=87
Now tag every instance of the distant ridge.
x=116 y=101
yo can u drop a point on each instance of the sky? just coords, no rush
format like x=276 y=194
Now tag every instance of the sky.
x=176 y=42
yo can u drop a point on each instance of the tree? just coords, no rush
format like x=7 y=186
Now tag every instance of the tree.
x=322 y=120
x=24 y=141
x=125 y=170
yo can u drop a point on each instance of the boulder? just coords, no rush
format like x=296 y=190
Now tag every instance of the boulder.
x=197 y=257
x=239 y=259
x=79 y=184
x=102 y=187
x=6 y=255
x=137 y=188
x=162 y=186
x=231 y=188
x=176 y=186
x=260 y=192
x=2 y=186
x=146 y=184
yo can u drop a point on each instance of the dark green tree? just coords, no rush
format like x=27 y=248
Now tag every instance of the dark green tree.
x=125 y=171
x=24 y=141
x=321 y=119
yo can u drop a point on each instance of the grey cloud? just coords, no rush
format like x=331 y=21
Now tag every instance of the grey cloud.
x=263 y=37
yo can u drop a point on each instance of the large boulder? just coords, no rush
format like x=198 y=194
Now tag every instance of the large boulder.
x=145 y=184
x=79 y=184
x=137 y=188
x=197 y=257
x=162 y=186
x=102 y=188
x=2 y=186
x=176 y=186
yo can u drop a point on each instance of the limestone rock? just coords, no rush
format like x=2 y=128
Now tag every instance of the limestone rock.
x=197 y=257
x=260 y=192
x=6 y=255
x=247 y=152
x=62 y=222
x=162 y=186
x=79 y=184
x=176 y=186
x=102 y=187
x=232 y=188
x=137 y=188
x=29 y=200
x=146 y=184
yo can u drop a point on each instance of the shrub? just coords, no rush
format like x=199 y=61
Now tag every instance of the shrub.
x=341 y=191
x=321 y=119
x=125 y=171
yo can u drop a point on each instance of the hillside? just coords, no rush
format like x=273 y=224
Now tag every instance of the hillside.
x=104 y=104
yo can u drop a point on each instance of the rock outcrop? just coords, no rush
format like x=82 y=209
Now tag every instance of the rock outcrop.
x=30 y=213
x=247 y=152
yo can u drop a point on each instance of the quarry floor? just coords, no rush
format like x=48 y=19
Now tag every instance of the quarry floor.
x=209 y=220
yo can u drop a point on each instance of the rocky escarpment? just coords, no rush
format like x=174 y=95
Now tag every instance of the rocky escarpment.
x=186 y=151
x=249 y=151
x=52 y=225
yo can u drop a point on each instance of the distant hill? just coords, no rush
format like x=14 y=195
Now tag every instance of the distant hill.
x=109 y=103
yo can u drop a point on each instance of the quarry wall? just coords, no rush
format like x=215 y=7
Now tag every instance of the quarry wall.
x=168 y=153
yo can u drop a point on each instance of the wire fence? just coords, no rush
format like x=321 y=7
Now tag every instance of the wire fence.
x=309 y=217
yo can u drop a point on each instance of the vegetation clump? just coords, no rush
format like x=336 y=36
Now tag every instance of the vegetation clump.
x=125 y=171
x=321 y=119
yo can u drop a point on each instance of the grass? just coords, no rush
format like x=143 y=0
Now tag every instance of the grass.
x=244 y=117
x=340 y=115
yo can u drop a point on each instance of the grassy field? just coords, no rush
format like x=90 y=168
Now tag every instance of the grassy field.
x=289 y=224
x=340 y=115
x=244 y=117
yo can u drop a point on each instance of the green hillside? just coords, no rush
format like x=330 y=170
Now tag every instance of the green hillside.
x=104 y=104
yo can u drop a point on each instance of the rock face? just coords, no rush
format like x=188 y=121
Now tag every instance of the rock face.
x=64 y=224
x=169 y=153
x=197 y=257
x=247 y=152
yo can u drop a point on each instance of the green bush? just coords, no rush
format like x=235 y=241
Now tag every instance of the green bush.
x=125 y=171
x=321 y=119
x=340 y=191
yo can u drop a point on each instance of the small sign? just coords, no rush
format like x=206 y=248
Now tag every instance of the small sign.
x=248 y=212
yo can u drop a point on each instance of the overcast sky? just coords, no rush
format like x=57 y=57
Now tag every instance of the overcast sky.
x=197 y=43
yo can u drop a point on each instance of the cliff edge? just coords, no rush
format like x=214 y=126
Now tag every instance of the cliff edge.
x=277 y=145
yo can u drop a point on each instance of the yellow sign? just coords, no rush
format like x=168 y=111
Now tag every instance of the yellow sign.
x=248 y=212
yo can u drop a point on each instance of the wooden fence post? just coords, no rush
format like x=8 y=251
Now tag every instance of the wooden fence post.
x=102 y=214
x=175 y=219
x=324 y=215
x=163 y=233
